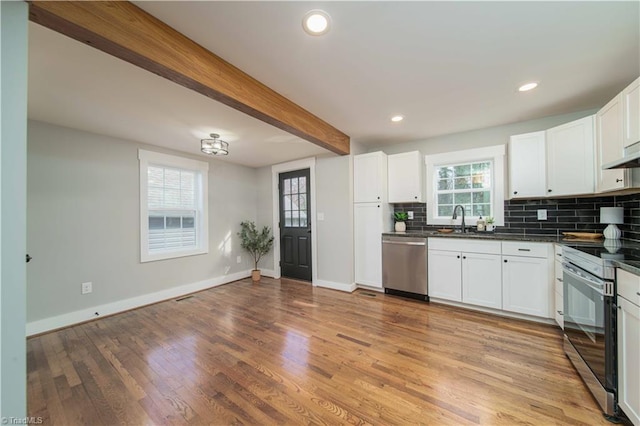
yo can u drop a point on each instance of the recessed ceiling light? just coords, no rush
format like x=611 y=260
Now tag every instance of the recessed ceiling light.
x=316 y=22
x=528 y=86
x=397 y=118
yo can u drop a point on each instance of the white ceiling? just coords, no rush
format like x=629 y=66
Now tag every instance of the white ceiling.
x=446 y=66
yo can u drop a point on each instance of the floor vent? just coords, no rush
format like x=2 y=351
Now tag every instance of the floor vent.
x=183 y=298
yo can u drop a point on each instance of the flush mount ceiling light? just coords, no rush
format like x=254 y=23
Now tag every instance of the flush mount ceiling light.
x=214 y=146
x=316 y=22
x=397 y=118
x=527 y=87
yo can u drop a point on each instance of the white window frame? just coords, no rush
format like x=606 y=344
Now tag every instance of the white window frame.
x=150 y=158
x=494 y=154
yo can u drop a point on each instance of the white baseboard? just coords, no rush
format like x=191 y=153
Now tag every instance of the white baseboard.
x=350 y=288
x=366 y=287
x=65 y=320
x=268 y=273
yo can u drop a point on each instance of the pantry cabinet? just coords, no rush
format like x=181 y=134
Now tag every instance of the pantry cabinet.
x=370 y=178
x=609 y=147
x=631 y=113
x=406 y=177
x=570 y=158
x=527 y=165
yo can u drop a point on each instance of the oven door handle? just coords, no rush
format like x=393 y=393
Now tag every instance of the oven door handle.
x=597 y=285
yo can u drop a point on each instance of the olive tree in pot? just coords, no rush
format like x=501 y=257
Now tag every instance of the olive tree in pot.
x=256 y=243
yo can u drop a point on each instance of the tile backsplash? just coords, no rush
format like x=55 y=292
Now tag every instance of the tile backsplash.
x=563 y=215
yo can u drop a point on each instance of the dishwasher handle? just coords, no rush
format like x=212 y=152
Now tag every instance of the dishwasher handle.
x=404 y=243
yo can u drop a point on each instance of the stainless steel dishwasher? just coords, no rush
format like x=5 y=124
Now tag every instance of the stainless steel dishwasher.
x=404 y=266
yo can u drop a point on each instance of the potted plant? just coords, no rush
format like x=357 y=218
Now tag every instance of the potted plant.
x=400 y=218
x=256 y=243
x=490 y=224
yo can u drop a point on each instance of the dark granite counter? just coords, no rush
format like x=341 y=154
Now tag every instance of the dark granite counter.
x=478 y=235
x=632 y=266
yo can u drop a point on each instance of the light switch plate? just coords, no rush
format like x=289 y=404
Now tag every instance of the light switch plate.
x=320 y=216
x=542 y=214
x=410 y=214
x=87 y=288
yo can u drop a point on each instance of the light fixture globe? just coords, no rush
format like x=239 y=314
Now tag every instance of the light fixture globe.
x=316 y=22
x=214 y=146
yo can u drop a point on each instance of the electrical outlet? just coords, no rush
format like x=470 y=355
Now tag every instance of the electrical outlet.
x=239 y=259
x=320 y=216
x=87 y=288
x=410 y=214
x=542 y=214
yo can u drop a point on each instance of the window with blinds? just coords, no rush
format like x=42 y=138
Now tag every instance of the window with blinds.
x=173 y=206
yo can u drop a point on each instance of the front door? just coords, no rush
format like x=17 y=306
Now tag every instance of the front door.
x=295 y=225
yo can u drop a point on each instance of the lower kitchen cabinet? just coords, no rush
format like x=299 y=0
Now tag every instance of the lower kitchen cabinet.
x=628 y=319
x=559 y=287
x=526 y=285
x=369 y=224
x=482 y=280
x=445 y=275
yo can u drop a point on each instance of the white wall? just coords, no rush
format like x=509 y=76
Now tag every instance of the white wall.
x=83 y=225
x=498 y=135
x=334 y=196
x=13 y=139
x=265 y=211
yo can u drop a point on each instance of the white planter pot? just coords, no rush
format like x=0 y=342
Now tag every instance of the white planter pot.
x=401 y=227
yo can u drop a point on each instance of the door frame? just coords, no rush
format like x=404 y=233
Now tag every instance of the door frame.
x=276 y=169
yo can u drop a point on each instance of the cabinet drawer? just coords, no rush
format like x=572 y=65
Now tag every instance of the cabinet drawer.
x=628 y=286
x=557 y=250
x=469 y=246
x=515 y=248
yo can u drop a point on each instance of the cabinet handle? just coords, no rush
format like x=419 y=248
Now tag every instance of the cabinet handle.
x=638 y=293
x=559 y=254
x=618 y=180
x=505 y=261
x=559 y=279
x=515 y=192
x=464 y=257
x=378 y=198
x=458 y=257
x=524 y=249
x=619 y=307
x=415 y=198
x=548 y=190
x=378 y=205
x=560 y=312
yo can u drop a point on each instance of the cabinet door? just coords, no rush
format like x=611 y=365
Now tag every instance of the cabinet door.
x=445 y=275
x=570 y=158
x=368 y=224
x=609 y=147
x=370 y=177
x=482 y=280
x=559 y=294
x=628 y=356
x=405 y=177
x=527 y=173
x=526 y=286
x=631 y=113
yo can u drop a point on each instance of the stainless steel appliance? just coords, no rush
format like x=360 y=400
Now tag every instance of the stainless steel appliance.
x=590 y=320
x=404 y=266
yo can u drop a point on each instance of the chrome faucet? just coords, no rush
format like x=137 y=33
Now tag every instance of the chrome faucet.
x=455 y=216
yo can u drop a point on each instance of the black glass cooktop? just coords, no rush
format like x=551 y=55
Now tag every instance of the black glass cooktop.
x=611 y=250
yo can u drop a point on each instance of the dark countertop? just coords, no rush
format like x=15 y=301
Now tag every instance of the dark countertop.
x=632 y=266
x=478 y=235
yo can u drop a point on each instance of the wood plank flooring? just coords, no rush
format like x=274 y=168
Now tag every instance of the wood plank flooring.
x=283 y=352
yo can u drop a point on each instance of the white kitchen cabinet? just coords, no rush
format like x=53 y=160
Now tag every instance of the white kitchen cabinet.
x=559 y=287
x=527 y=165
x=526 y=281
x=369 y=224
x=482 y=280
x=609 y=147
x=445 y=275
x=628 y=319
x=370 y=177
x=631 y=113
x=406 y=177
x=570 y=158
x=465 y=271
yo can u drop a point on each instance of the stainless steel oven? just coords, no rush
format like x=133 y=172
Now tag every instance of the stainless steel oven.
x=590 y=324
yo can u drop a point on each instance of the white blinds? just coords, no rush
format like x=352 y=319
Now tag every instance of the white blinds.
x=171 y=200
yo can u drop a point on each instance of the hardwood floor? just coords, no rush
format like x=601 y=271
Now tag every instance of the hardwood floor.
x=282 y=352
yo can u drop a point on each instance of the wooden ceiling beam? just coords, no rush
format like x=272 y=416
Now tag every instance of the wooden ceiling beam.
x=129 y=33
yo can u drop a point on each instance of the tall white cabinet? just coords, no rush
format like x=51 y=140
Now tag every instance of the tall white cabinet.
x=631 y=113
x=609 y=147
x=406 y=177
x=372 y=216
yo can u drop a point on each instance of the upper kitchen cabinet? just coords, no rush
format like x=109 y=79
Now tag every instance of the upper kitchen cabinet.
x=406 y=177
x=370 y=177
x=610 y=147
x=570 y=158
x=527 y=172
x=631 y=113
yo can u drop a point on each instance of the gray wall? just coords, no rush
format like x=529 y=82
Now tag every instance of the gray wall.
x=83 y=222
x=489 y=136
x=13 y=140
x=265 y=209
x=334 y=196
